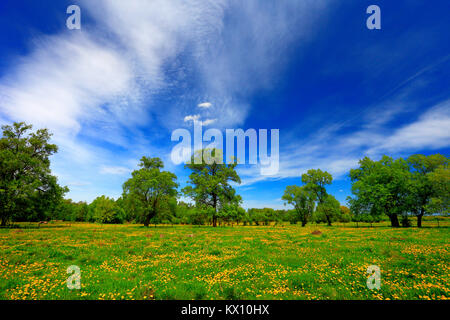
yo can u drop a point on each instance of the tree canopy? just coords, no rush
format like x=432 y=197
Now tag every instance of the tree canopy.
x=317 y=180
x=423 y=188
x=302 y=199
x=381 y=186
x=210 y=181
x=27 y=186
x=149 y=188
x=106 y=210
x=329 y=208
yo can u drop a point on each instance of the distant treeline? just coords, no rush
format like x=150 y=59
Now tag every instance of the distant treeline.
x=393 y=189
x=108 y=210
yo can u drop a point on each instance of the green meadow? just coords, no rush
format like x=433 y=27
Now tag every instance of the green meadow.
x=241 y=262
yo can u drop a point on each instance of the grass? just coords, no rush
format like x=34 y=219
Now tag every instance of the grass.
x=192 y=262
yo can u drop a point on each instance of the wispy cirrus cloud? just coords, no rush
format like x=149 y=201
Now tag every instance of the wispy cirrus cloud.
x=94 y=88
x=338 y=152
x=430 y=131
x=114 y=170
x=113 y=91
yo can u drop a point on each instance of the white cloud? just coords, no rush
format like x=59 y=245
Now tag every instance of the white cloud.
x=191 y=118
x=114 y=170
x=64 y=82
x=337 y=153
x=78 y=184
x=196 y=118
x=205 y=105
x=100 y=83
x=75 y=80
x=208 y=122
x=97 y=85
x=431 y=131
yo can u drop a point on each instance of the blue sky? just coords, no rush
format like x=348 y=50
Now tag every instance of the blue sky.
x=337 y=91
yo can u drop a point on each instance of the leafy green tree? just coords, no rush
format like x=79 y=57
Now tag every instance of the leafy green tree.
x=81 y=211
x=234 y=213
x=381 y=187
x=66 y=210
x=302 y=198
x=367 y=218
x=149 y=188
x=26 y=183
x=270 y=215
x=262 y=216
x=125 y=206
x=106 y=210
x=241 y=215
x=357 y=218
x=182 y=212
x=329 y=209
x=278 y=216
x=231 y=213
x=167 y=212
x=345 y=215
x=422 y=189
x=257 y=216
x=210 y=181
x=42 y=205
x=291 y=216
x=440 y=181
x=246 y=219
x=316 y=180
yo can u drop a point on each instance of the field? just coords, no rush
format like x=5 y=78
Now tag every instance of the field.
x=240 y=262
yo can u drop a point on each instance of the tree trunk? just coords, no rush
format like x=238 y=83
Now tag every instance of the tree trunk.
x=394 y=221
x=419 y=218
x=419 y=221
x=147 y=220
x=303 y=223
x=328 y=220
x=215 y=211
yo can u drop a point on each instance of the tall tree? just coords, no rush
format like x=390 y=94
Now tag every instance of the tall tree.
x=329 y=208
x=317 y=180
x=149 y=188
x=302 y=198
x=381 y=186
x=422 y=190
x=210 y=181
x=440 y=181
x=26 y=183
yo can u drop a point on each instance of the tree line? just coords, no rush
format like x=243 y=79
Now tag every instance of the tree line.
x=396 y=188
x=388 y=188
